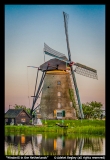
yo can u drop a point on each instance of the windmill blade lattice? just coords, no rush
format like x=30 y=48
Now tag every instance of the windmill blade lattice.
x=56 y=54
x=86 y=71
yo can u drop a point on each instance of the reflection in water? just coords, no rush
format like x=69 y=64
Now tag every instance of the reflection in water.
x=81 y=143
x=96 y=145
x=59 y=144
x=41 y=144
x=22 y=139
x=36 y=144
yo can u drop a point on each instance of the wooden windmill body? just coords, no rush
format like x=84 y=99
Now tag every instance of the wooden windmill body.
x=56 y=102
x=58 y=87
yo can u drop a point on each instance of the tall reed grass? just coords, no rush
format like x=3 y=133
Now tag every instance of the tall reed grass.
x=12 y=151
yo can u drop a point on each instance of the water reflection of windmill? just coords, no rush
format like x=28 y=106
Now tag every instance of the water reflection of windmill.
x=65 y=146
x=36 y=144
x=63 y=92
x=81 y=144
x=59 y=144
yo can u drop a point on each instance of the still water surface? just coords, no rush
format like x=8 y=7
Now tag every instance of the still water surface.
x=46 y=144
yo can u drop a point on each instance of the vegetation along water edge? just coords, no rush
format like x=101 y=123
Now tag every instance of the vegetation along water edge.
x=71 y=126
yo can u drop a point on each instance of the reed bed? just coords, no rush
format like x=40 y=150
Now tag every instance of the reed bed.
x=12 y=151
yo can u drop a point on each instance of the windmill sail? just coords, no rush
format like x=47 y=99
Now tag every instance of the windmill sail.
x=85 y=71
x=56 y=54
x=69 y=56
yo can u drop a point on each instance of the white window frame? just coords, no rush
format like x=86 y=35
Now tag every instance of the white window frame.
x=59 y=117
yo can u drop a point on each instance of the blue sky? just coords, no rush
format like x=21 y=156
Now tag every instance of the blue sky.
x=28 y=27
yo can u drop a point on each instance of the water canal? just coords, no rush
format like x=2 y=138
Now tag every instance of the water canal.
x=56 y=144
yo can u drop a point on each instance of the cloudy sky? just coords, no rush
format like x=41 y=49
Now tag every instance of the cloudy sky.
x=28 y=27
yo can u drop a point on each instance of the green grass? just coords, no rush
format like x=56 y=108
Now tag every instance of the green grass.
x=12 y=151
x=74 y=126
x=76 y=122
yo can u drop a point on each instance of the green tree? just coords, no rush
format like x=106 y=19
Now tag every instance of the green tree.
x=92 y=109
x=86 y=110
x=19 y=107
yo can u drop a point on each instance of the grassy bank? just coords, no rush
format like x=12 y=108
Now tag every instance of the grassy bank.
x=74 y=126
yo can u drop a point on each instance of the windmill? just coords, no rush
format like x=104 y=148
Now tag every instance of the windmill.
x=60 y=68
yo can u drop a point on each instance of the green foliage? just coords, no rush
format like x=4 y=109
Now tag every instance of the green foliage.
x=12 y=151
x=28 y=110
x=19 y=107
x=92 y=110
x=71 y=93
x=74 y=126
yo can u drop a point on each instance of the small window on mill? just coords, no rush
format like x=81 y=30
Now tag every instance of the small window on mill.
x=59 y=94
x=59 y=105
x=58 y=82
x=71 y=104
